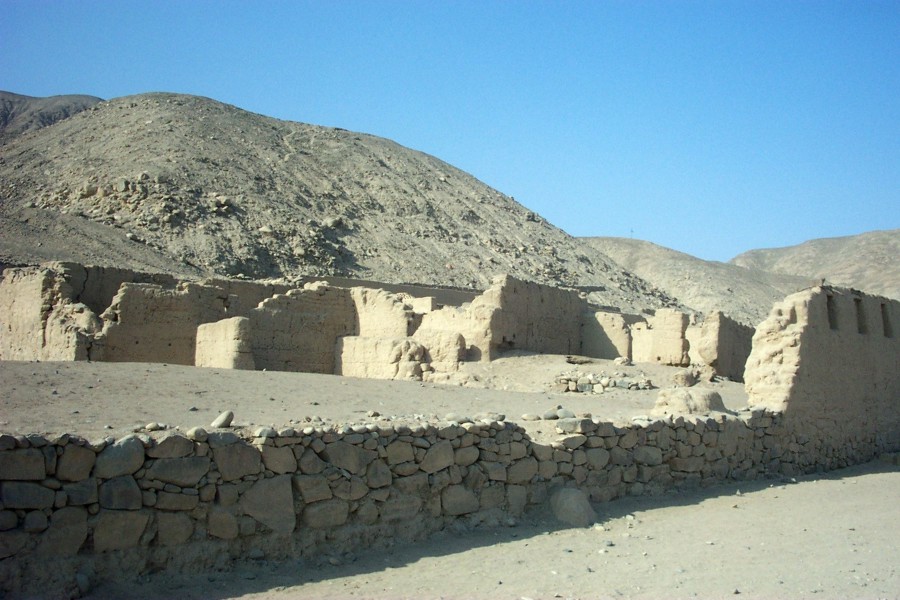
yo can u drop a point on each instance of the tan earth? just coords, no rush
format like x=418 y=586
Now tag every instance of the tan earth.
x=827 y=536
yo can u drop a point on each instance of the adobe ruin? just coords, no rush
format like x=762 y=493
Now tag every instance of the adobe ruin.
x=64 y=311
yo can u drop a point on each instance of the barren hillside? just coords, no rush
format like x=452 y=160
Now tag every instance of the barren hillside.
x=20 y=114
x=745 y=294
x=869 y=261
x=192 y=186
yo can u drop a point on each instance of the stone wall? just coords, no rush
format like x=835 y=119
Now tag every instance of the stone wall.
x=828 y=359
x=73 y=510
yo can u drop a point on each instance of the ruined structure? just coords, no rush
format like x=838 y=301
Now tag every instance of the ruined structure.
x=823 y=381
x=829 y=360
x=63 y=311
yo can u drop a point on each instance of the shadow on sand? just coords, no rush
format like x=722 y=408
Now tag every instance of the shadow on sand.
x=260 y=576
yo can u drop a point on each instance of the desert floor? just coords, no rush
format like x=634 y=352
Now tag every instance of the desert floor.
x=828 y=536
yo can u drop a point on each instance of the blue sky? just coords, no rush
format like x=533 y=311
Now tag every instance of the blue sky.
x=708 y=127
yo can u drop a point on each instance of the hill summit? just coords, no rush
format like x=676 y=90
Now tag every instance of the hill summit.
x=192 y=186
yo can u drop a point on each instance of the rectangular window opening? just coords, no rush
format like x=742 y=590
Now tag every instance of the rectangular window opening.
x=832 y=312
x=860 y=316
x=886 y=322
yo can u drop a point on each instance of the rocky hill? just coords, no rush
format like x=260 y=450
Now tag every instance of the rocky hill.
x=745 y=294
x=191 y=186
x=20 y=114
x=869 y=261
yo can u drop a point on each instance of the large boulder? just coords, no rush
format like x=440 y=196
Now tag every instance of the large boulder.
x=572 y=507
x=683 y=401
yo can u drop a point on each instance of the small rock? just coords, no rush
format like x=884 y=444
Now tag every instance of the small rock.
x=223 y=420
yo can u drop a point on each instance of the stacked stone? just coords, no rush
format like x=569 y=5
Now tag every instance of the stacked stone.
x=587 y=383
x=69 y=499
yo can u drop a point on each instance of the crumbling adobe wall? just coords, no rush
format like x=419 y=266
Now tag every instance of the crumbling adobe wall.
x=534 y=317
x=381 y=314
x=150 y=323
x=243 y=296
x=225 y=344
x=722 y=343
x=471 y=321
x=299 y=330
x=96 y=286
x=379 y=358
x=661 y=339
x=607 y=335
x=50 y=312
x=828 y=358
x=39 y=320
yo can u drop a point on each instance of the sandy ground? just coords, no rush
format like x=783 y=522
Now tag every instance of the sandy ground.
x=100 y=399
x=830 y=536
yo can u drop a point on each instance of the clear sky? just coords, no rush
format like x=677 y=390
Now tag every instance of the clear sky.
x=708 y=127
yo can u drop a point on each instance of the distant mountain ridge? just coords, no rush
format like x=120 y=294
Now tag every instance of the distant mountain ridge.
x=742 y=293
x=869 y=261
x=20 y=114
x=746 y=287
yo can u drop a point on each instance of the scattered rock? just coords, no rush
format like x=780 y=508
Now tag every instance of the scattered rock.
x=223 y=420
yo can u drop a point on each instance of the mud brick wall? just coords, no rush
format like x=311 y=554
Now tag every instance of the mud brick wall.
x=829 y=358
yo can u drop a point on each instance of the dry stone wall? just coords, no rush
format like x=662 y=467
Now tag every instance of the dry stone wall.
x=74 y=511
